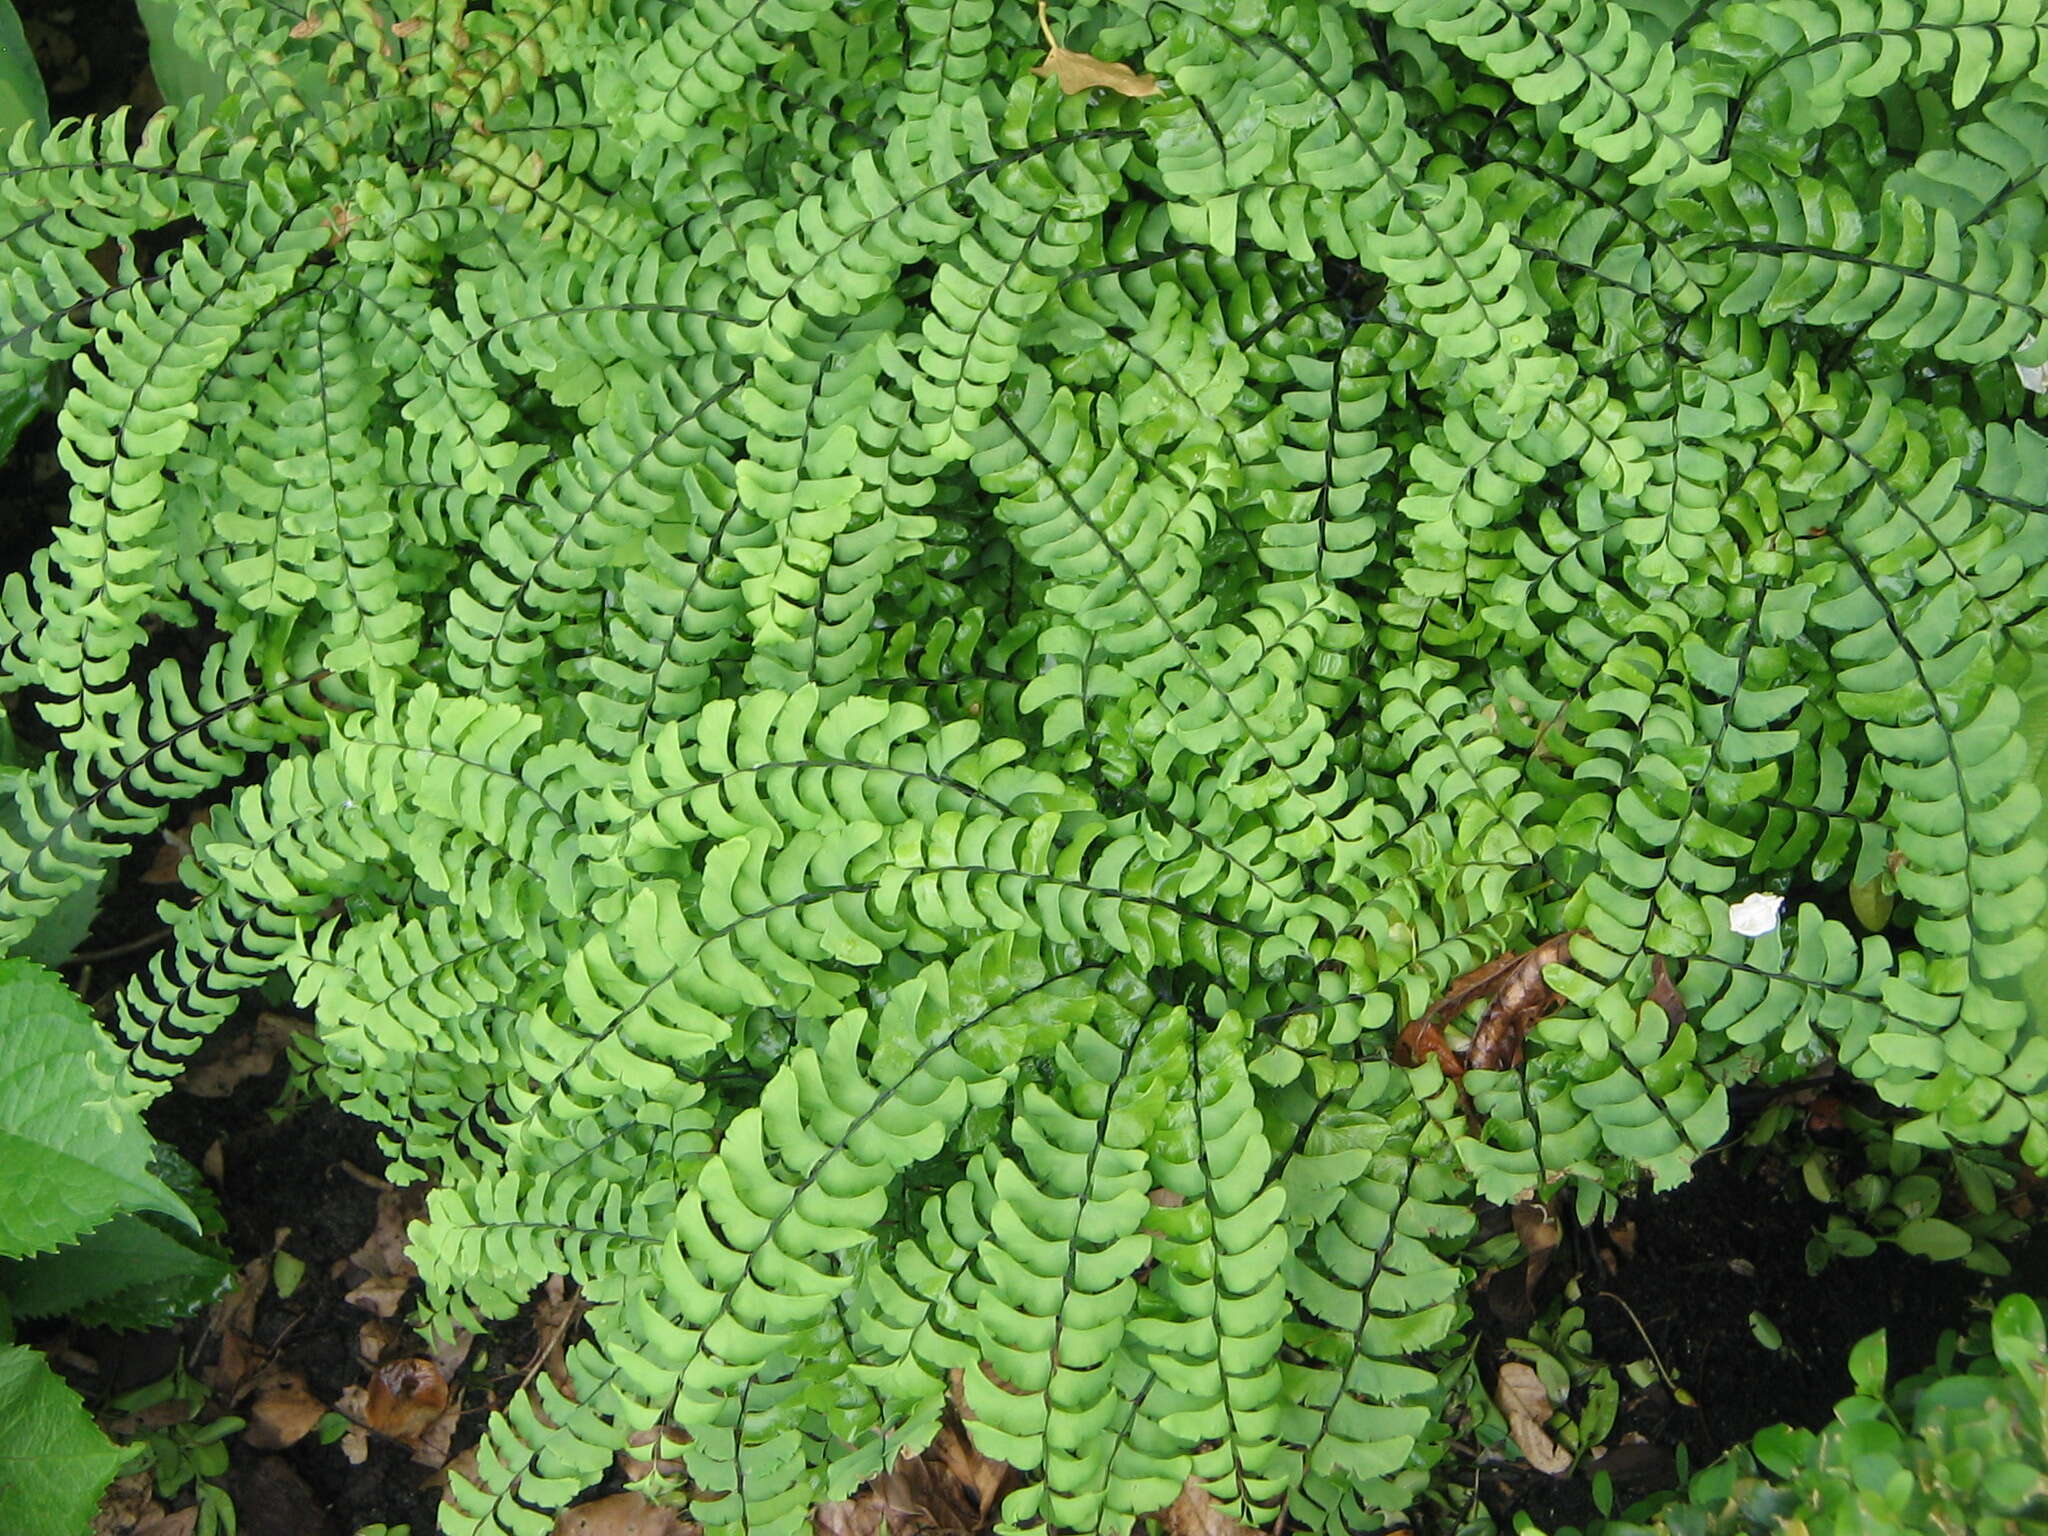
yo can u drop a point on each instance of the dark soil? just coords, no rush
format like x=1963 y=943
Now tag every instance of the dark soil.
x=287 y=1176
x=1702 y=1260
x=93 y=54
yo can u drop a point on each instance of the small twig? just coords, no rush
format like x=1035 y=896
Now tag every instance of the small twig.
x=1046 y=27
x=547 y=1348
x=1678 y=1393
x=116 y=951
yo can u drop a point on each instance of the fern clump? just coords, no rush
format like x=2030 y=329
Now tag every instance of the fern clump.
x=877 y=702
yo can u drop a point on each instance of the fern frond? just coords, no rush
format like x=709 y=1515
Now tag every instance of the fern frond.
x=1373 y=1286
x=1794 y=68
x=1605 y=85
x=1909 y=276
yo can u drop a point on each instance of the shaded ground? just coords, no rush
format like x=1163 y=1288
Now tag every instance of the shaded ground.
x=304 y=1184
x=1698 y=1263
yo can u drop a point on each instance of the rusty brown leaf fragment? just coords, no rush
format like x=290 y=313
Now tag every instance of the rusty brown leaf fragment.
x=1664 y=993
x=1519 y=999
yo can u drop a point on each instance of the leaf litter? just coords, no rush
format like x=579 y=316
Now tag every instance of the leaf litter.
x=1078 y=72
x=1519 y=1394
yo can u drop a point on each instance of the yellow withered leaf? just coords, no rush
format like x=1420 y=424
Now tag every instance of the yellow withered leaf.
x=1083 y=71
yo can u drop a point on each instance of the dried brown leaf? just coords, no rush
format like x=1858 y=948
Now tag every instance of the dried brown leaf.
x=1520 y=1396
x=1537 y=1226
x=177 y=843
x=1083 y=71
x=949 y=1489
x=1521 y=1000
x=283 y=1411
x=1664 y=993
x=554 y=1319
x=353 y=1403
x=1195 y=1513
x=860 y=1515
x=127 y=1502
x=461 y=1466
x=622 y=1514
x=234 y=1323
x=376 y=1341
x=1518 y=1000
x=380 y=1294
x=250 y=1053
x=638 y=1467
x=989 y=1481
x=434 y=1442
x=181 y=1522
x=453 y=1353
x=384 y=1252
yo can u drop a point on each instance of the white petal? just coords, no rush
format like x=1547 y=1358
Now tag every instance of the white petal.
x=1755 y=915
x=2035 y=379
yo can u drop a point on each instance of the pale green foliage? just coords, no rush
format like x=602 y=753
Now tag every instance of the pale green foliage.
x=863 y=695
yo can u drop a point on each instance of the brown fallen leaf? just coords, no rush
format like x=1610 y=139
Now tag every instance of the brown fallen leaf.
x=234 y=1323
x=381 y=1295
x=177 y=843
x=1664 y=993
x=181 y=1522
x=405 y=1397
x=250 y=1053
x=431 y=1447
x=912 y=1498
x=1536 y=1225
x=637 y=1467
x=1520 y=1395
x=355 y=1440
x=460 y=1467
x=377 y=1340
x=127 y=1503
x=385 y=1250
x=555 y=1315
x=1196 y=1513
x=1521 y=999
x=622 y=1514
x=1083 y=71
x=452 y=1353
x=283 y=1411
x=384 y=1259
x=857 y=1516
x=1518 y=999
x=989 y=1481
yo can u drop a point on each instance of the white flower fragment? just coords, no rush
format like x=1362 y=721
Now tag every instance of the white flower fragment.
x=2035 y=378
x=1754 y=916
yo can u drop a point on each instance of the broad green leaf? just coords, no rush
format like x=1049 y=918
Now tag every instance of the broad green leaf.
x=73 y=1149
x=54 y=1462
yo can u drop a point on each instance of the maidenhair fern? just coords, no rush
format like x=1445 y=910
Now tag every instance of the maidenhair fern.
x=875 y=692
